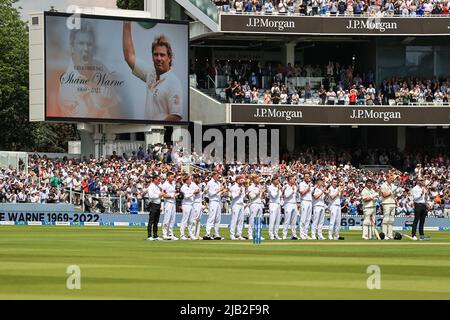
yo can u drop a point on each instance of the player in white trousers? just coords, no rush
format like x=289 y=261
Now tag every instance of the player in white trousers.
x=389 y=193
x=237 y=209
x=334 y=194
x=369 y=197
x=274 y=193
x=290 y=208
x=197 y=207
x=318 y=204
x=215 y=191
x=169 y=189
x=188 y=189
x=306 y=206
x=255 y=194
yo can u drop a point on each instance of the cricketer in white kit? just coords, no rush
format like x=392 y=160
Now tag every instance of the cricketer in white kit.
x=197 y=207
x=305 y=218
x=334 y=194
x=215 y=191
x=255 y=195
x=274 y=193
x=189 y=189
x=388 y=192
x=237 y=209
x=290 y=208
x=369 y=197
x=318 y=204
x=169 y=207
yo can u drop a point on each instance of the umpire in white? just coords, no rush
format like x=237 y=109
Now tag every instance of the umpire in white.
x=419 y=193
x=154 y=195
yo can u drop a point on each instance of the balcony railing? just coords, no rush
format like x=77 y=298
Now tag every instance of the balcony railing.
x=208 y=8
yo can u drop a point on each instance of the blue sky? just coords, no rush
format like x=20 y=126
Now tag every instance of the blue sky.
x=60 y=5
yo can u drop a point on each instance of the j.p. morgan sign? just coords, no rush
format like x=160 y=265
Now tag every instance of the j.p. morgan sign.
x=340 y=115
x=334 y=25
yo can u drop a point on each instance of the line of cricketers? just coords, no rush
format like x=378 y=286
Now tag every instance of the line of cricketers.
x=306 y=200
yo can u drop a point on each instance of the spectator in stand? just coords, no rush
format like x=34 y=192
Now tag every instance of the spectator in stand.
x=315 y=7
x=322 y=94
x=361 y=99
x=238 y=6
x=238 y=94
x=353 y=95
x=258 y=6
x=226 y=5
x=290 y=6
x=229 y=91
x=308 y=91
x=267 y=97
x=275 y=93
x=331 y=97
x=438 y=97
x=268 y=7
x=255 y=95
x=341 y=96
x=357 y=8
x=282 y=8
x=247 y=95
x=445 y=7
x=248 y=7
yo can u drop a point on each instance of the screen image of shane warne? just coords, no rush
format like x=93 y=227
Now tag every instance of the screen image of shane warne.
x=114 y=69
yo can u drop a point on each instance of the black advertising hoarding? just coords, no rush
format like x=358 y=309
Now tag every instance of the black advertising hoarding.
x=116 y=69
x=340 y=115
x=285 y=24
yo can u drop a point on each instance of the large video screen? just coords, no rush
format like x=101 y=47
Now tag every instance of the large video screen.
x=116 y=69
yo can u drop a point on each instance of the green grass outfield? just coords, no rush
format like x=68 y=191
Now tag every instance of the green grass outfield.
x=116 y=263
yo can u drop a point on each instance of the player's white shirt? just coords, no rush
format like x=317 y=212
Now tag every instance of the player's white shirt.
x=388 y=187
x=164 y=97
x=319 y=202
x=153 y=193
x=418 y=194
x=237 y=194
x=169 y=188
x=274 y=194
x=213 y=189
x=254 y=194
x=308 y=195
x=368 y=193
x=290 y=195
x=336 y=201
x=188 y=193
x=199 y=196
